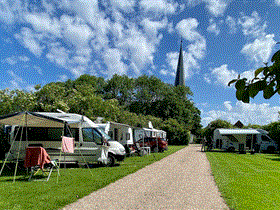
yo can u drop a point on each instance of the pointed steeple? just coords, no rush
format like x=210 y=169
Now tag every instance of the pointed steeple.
x=180 y=75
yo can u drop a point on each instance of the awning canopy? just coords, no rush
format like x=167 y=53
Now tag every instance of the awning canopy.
x=240 y=131
x=46 y=119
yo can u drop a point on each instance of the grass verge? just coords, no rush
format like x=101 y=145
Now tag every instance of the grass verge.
x=73 y=183
x=247 y=181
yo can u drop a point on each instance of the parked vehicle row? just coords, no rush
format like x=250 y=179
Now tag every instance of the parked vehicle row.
x=46 y=129
x=256 y=140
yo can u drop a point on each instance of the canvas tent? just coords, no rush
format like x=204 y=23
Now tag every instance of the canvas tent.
x=43 y=119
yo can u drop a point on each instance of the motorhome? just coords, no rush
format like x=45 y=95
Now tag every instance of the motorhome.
x=118 y=132
x=240 y=139
x=47 y=128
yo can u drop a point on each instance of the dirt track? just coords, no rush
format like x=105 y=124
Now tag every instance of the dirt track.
x=182 y=180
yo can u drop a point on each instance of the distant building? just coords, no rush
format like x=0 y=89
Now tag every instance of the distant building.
x=180 y=75
x=238 y=124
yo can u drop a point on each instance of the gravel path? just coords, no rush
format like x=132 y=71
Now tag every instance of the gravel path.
x=182 y=180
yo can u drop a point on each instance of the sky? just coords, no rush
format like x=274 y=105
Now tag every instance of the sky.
x=47 y=41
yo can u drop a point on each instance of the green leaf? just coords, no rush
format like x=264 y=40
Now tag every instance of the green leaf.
x=253 y=90
x=240 y=84
x=239 y=94
x=258 y=71
x=245 y=97
x=276 y=57
x=232 y=81
x=268 y=92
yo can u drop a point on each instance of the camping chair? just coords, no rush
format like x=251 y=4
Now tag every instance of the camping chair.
x=36 y=159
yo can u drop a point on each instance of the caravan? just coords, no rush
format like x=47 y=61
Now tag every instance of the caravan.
x=46 y=129
x=240 y=139
x=119 y=132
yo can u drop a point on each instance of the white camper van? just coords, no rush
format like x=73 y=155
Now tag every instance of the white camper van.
x=46 y=129
x=118 y=132
x=239 y=139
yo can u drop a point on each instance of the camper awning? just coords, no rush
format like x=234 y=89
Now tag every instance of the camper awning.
x=239 y=131
x=41 y=119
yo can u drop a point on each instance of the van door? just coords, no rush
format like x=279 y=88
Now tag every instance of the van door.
x=91 y=145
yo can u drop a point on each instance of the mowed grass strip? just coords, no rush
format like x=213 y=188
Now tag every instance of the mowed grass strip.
x=74 y=183
x=247 y=181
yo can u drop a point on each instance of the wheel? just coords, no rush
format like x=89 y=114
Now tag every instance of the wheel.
x=110 y=161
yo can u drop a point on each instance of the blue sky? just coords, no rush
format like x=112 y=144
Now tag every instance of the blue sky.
x=56 y=40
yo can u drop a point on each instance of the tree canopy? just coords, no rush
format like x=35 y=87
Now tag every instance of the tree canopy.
x=133 y=101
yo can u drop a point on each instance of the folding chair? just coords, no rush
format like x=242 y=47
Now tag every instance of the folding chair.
x=37 y=158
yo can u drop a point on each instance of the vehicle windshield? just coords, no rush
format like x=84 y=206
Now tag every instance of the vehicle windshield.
x=108 y=138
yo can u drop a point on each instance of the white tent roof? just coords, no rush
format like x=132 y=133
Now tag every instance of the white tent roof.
x=46 y=119
x=240 y=131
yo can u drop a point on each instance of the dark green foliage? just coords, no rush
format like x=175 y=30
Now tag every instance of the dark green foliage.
x=120 y=99
x=273 y=131
x=209 y=130
x=267 y=80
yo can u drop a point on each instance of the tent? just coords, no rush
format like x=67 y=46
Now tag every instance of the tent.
x=43 y=119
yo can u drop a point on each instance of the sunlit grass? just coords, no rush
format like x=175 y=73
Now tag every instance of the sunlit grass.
x=73 y=183
x=247 y=181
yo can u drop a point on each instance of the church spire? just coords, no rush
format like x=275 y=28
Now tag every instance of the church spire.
x=180 y=75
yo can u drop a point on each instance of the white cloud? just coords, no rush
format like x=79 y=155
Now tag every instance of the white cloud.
x=125 y=5
x=113 y=59
x=223 y=75
x=227 y=104
x=277 y=2
x=252 y=25
x=15 y=81
x=213 y=27
x=159 y=6
x=260 y=50
x=252 y=113
x=215 y=7
x=41 y=22
x=152 y=27
x=15 y=59
x=29 y=40
x=232 y=24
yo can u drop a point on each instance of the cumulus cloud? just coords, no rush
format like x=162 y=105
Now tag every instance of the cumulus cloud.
x=15 y=59
x=232 y=24
x=215 y=7
x=159 y=6
x=252 y=25
x=252 y=113
x=187 y=28
x=15 y=81
x=223 y=75
x=213 y=27
x=260 y=49
x=277 y=2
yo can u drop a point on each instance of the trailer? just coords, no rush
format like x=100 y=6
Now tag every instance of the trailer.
x=119 y=132
x=242 y=139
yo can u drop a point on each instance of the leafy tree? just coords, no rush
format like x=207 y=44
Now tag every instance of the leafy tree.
x=209 y=130
x=267 y=80
x=273 y=131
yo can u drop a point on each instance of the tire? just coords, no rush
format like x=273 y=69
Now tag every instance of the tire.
x=111 y=161
x=270 y=149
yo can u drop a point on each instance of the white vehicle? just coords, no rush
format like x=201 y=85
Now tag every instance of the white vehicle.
x=239 y=139
x=47 y=128
x=118 y=132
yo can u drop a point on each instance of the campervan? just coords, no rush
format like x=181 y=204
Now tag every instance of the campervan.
x=239 y=139
x=47 y=128
x=118 y=132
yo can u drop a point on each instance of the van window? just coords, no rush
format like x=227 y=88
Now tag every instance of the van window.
x=265 y=138
x=91 y=135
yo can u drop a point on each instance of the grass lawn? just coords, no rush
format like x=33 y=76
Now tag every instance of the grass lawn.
x=73 y=183
x=247 y=181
